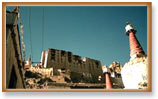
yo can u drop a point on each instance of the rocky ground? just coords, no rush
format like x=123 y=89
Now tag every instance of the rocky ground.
x=36 y=80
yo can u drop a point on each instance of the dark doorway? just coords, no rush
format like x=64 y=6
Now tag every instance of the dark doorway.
x=13 y=79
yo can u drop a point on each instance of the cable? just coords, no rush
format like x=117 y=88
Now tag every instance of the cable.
x=30 y=33
x=42 y=30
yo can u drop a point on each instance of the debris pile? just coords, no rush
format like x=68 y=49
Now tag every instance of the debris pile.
x=36 y=80
x=115 y=69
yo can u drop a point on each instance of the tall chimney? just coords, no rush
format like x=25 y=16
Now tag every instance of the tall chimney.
x=135 y=48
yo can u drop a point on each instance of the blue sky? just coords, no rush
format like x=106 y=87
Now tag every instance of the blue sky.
x=96 y=32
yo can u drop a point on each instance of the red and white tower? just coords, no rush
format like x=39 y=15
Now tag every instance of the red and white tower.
x=135 y=48
x=107 y=78
x=135 y=72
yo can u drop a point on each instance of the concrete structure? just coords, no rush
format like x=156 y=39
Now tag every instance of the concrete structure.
x=42 y=58
x=83 y=70
x=14 y=62
x=135 y=72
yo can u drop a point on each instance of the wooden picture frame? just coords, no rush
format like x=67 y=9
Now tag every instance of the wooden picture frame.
x=149 y=43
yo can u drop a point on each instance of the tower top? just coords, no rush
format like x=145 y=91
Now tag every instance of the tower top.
x=129 y=28
x=135 y=48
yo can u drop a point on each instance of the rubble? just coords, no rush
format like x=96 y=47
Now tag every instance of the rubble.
x=36 y=81
x=115 y=69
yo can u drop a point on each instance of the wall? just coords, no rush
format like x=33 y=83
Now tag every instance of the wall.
x=14 y=73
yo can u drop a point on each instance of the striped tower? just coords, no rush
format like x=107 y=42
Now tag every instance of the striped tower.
x=135 y=72
x=107 y=78
x=135 y=48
